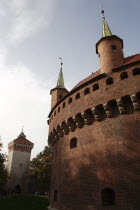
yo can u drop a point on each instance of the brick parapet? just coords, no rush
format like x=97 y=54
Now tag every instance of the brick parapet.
x=104 y=94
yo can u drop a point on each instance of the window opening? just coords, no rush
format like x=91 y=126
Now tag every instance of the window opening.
x=73 y=143
x=86 y=91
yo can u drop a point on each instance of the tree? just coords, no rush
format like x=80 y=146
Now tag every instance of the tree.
x=39 y=174
x=3 y=171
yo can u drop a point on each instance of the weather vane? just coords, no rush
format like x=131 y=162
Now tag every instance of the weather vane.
x=102 y=11
x=61 y=61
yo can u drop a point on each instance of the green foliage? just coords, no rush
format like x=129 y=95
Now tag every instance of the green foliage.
x=39 y=174
x=3 y=172
x=24 y=202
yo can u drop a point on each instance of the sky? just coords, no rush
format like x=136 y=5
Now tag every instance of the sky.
x=33 y=35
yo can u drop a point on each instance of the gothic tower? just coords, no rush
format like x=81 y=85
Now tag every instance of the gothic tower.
x=18 y=162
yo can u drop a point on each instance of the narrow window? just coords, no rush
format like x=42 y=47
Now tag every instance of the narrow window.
x=59 y=109
x=52 y=116
x=109 y=81
x=55 y=113
x=86 y=91
x=95 y=87
x=108 y=197
x=55 y=195
x=73 y=143
x=77 y=96
x=124 y=75
x=136 y=71
x=113 y=47
x=70 y=101
x=64 y=104
x=60 y=96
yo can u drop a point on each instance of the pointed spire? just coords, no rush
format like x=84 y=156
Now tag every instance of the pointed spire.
x=22 y=135
x=105 y=28
x=60 y=81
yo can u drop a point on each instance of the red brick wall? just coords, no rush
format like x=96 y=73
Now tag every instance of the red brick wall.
x=106 y=155
x=104 y=94
x=110 y=58
x=56 y=93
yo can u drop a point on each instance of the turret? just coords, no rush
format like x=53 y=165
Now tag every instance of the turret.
x=109 y=48
x=59 y=91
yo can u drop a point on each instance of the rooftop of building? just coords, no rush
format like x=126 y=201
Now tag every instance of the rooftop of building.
x=127 y=60
x=21 y=139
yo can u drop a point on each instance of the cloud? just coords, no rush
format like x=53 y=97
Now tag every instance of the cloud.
x=24 y=101
x=25 y=98
x=22 y=18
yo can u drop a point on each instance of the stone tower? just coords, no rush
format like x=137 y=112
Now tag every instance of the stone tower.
x=18 y=162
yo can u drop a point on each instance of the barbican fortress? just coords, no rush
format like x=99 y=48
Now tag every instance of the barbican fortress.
x=94 y=130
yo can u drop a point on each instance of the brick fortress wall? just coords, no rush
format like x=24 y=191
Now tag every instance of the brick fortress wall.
x=103 y=116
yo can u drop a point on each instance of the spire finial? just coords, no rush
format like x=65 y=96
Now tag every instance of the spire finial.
x=61 y=62
x=103 y=11
x=105 y=28
x=103 y=14
x=60 y=81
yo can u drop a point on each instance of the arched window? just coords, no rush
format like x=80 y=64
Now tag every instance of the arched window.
x=60 y=96
x=86 y=91
x=136 y=71
x=55 y=195
x=109 y=81
x=64 y=104
x=77 y=96
x=95 y=87
x=59 y=109
x=70 y=101
x=123 y=75
x=108 y=197
x=55 y=113
x=73 y=143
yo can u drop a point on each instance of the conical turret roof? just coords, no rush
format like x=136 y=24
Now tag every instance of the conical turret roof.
x=105 y=28
x=60 y=81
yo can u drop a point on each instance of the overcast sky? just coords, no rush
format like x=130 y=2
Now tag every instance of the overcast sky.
x=33 y=34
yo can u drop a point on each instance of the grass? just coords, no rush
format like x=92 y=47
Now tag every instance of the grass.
x=24 y=202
